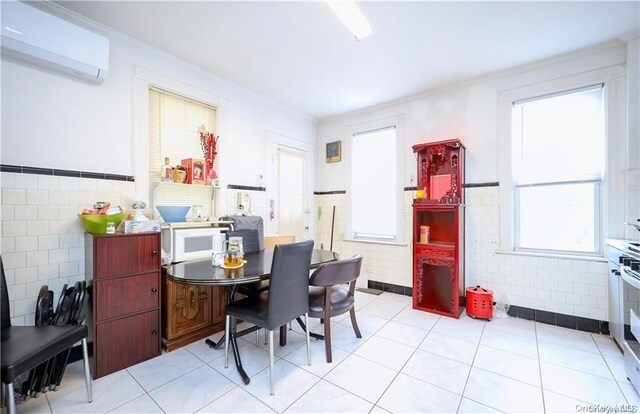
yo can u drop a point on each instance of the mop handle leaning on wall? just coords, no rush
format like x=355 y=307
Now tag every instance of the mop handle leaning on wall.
x=333 y=220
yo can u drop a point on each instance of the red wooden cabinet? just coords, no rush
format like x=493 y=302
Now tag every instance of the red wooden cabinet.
x=438 y=253
x=123 y=275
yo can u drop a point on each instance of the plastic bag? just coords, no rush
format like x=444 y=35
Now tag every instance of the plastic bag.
x=501 y=308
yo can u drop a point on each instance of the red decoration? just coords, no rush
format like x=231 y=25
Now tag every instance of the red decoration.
x=209 y=143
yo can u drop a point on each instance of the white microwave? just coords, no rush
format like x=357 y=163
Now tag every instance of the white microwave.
x=192 y=243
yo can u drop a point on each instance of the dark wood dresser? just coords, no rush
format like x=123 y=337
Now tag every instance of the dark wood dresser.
x=123 y=275
x=190 y=312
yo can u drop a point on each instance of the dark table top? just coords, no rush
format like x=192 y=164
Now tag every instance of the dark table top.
x=258 y=267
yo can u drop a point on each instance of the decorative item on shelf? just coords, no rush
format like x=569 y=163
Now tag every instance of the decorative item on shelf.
x=179 y=174
x=209 y=144
x=424 y=234
x=334 y=151
x=195 y=170
x=166 y=172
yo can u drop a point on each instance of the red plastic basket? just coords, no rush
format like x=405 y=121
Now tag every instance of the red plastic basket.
x=479 y=302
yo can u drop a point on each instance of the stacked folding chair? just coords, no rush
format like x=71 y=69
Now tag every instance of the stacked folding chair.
x=71 y=309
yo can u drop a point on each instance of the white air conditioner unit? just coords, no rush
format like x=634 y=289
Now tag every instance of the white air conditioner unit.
x=34 y=36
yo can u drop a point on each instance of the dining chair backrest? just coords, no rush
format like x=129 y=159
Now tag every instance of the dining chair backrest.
x=250 y=240
x=337 y=273
x=289 y=283
x=4 y=300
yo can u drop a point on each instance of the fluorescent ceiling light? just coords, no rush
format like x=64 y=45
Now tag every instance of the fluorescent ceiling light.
x=352 y=17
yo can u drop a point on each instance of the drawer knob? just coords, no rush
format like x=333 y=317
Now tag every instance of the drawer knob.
x=154 y=253
x=154 y=290
x=154 y=332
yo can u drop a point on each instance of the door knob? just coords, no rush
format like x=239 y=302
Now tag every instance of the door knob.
x=154 y=253
x=154 y=290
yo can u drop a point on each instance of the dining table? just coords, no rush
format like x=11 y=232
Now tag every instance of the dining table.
x=257 y=267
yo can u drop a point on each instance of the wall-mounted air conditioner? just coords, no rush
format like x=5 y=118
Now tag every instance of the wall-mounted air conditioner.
x=35 y=36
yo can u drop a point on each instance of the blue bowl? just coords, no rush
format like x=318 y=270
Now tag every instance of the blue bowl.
x=173 y=214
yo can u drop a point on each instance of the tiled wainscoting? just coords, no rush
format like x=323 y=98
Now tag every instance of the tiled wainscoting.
x=42 y=238
x=381 y=262
x=570 y=287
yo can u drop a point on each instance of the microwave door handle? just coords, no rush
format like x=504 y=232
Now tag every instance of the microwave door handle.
x=628 y=278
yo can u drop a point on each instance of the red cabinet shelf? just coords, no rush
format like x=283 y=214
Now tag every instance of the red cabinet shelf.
x=438 y=264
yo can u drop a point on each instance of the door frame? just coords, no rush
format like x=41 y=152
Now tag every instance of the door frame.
x=275 y=141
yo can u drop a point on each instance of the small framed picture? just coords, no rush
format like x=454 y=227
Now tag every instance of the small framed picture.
x=334 y=151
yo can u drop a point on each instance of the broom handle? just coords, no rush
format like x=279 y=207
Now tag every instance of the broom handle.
x=333 y=219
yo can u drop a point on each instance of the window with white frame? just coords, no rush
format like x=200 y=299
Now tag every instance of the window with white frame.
x=374 y=185
x=174 y=123
x=558 y=159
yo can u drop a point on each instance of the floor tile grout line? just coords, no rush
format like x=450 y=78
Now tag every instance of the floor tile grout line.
x=403 y=365
x=471 y=366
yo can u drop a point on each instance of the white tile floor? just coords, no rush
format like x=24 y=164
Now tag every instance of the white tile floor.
x=406 y=361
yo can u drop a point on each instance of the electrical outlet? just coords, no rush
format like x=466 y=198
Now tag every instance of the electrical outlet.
x=243 y=200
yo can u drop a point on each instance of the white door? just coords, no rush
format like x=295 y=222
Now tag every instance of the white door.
x=291 y=206
x=289 y=182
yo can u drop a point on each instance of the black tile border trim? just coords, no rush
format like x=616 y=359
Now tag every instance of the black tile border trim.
x=245 y=187
x=559 y=319
x=64 y=173
x=329 y=192
x=551 y=318
x=388 y=287
x=471 y=185
x=478 y=185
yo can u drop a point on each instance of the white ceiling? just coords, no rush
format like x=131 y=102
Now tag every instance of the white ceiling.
x=299 y=54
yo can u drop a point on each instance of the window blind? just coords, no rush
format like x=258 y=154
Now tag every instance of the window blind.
x=374 y=184
x=559 y=137
x=174 y=123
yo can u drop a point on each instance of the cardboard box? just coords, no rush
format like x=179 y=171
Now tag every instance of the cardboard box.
x=196 y=170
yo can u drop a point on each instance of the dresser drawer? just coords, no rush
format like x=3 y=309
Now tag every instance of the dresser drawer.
x=124 y=255
x=125 y=342
x=435 y=250
x=125 y=295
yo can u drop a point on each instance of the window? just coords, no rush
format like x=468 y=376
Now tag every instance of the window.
x=558 y=155
x=374 y=185
x=174 y=123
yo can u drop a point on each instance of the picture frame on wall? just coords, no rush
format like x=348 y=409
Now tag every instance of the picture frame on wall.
x=334 y=151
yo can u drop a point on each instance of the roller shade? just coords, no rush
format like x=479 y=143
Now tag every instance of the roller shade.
x=559 y=137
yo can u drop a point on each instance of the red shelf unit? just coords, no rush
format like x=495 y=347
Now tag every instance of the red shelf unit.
x=438 y=264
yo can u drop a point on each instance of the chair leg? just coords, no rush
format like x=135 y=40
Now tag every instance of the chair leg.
x=327 y=338
x=306 y=330
x=265 y=337
x=227 y=321
x=87 y=372
x=11 y=401
x=352 y=312
x=271 y=362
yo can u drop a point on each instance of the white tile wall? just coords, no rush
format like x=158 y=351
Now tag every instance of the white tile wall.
x=571 y=287
x=381 y=262
x=42 y=239
x=257 y=203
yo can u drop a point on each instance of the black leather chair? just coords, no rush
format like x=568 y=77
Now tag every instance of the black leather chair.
x=328 y=298
x=250 y=243
x=285 y=300
x=27 y=347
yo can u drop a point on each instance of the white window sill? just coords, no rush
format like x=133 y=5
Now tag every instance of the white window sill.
x=554 y=256
x=390 y=243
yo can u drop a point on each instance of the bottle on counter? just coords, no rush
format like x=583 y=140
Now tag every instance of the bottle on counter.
x=166 y=172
